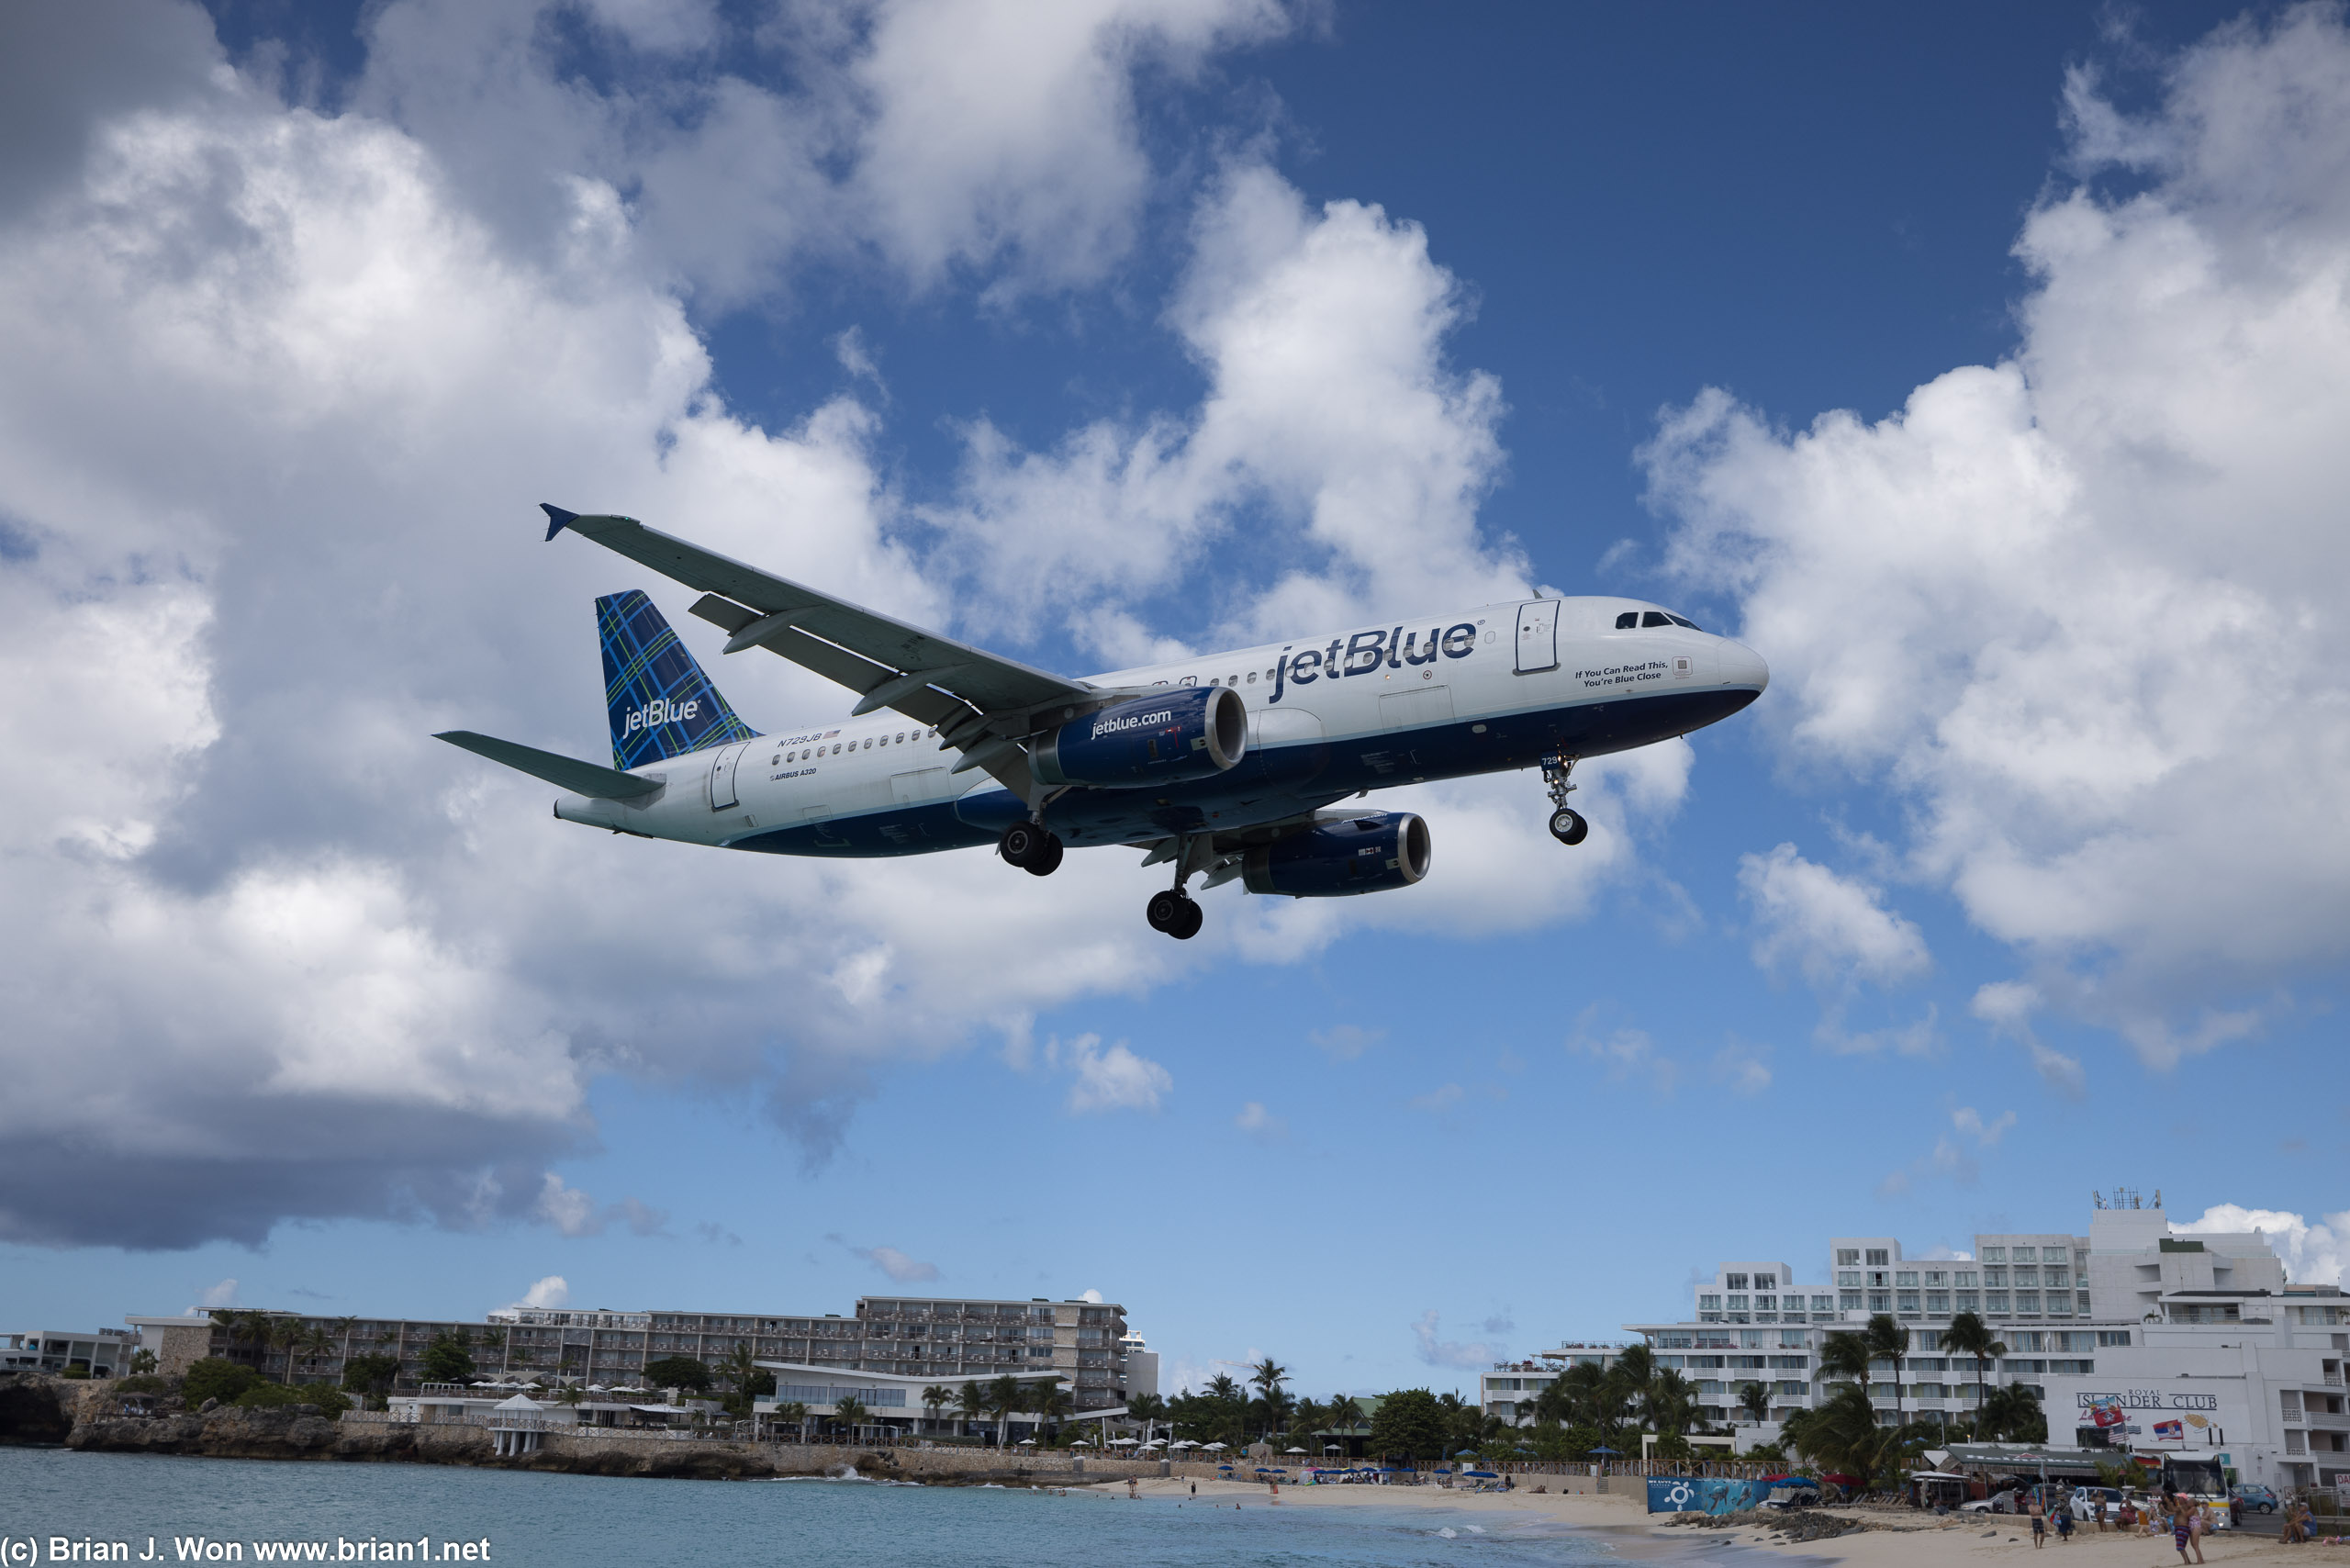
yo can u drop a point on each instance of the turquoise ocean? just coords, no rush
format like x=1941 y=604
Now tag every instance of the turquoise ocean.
x=573 y=1521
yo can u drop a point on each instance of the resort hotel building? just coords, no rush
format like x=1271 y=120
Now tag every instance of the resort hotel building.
x=2133 y=1335
x=889 y=1347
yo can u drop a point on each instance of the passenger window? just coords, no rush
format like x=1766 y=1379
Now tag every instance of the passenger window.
x=1252 y=678
x=1213 y=682
x=1655 y=618
x=1231 y=680
x=1678 y=621
x=901 y=740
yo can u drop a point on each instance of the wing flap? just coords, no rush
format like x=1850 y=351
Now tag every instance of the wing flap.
x=563 y=772
x=990 y=682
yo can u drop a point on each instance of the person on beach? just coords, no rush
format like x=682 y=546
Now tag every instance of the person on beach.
x=2064 y=1524
x=2199 y=1519
x=2100 y=1515
x=2039 y=1523
x=2179 y=1527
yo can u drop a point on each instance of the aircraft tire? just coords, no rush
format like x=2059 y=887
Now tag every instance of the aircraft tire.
x=1569 y=828
x=1165 y=908
x=1047 y=860
x=1188 y=921
x=1023 y=843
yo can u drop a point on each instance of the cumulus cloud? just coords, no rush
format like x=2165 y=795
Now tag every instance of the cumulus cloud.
x=2058 y=605
x=221 y=1293
x=899 y=1266
x=1260 y=1124
x=1345 y=1042
x=1742 y=1069
x=1333 y=423
x=1114 y=1079
x=550 y=1291
x=1832 y=929
x=1473 y=1355
x=2314 y=1254
x=1625 y=1053
x=282 y=387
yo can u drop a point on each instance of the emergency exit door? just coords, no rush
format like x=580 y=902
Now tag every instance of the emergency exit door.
x=1537 y=636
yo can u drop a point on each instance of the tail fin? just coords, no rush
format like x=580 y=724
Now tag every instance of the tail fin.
x=661 y=703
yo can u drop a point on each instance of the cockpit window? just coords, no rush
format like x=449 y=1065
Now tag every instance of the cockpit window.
x=1677 y=621
x=1627 y=621
x=1656 y=618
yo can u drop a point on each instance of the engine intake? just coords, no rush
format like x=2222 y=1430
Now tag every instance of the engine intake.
x=1187 y=732
x=1368 y=853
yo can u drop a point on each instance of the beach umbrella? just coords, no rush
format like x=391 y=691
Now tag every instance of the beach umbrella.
x=1329 y=1447
x=1025 y=1442
x=1216 y=1448
x=1081 y=1443
x=1293 y=1451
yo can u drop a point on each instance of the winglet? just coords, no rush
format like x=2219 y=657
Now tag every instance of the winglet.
x=557 y=519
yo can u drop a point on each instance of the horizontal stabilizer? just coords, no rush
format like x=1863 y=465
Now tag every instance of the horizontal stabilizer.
x=562 y=772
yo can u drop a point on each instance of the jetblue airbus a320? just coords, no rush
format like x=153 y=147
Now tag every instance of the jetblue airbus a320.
x=1228 y=765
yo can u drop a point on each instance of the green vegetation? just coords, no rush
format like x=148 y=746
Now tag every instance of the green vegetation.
x=371 y=1376
x=1409 y=1424
x=144 y=1382
x=449 y=1358
x=850 y=1414
x=216 y=1377
x=678 y=1372
x=331 y=1400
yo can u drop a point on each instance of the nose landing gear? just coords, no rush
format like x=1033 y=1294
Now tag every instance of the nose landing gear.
x=1567 y=825
x=1033 y=848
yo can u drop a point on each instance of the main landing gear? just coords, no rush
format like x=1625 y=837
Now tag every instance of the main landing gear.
x=1176 y=912
x=1032 y=846
x=1567 y=825
x=1172 y=909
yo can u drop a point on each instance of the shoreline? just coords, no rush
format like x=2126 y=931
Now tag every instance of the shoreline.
x=1891 y=1538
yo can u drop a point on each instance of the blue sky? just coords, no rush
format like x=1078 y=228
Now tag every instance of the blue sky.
x=1981 y=371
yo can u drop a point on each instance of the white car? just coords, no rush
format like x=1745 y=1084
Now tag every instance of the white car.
x=1997 y=1503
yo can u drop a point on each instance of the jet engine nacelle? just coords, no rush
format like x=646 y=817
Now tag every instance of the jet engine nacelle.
x=1367 y=854
x=1186 y=732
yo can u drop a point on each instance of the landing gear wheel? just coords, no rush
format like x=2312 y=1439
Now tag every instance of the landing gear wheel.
x=1030 y=847
x=1568 y=826
x=1175 y=914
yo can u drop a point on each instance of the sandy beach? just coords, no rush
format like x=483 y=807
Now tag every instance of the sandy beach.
x=1895 y=1541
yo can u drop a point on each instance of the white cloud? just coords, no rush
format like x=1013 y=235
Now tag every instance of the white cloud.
x=1345 y=1042
x=569 y=1210
x=1112 y=1079
x=1332 y=423
x=2056 y=604
x=2313 y=1254
x=2007 y=1007
x=1259 y=1123
x=1093 y=1297
x=898 y=1265
x=1969 y=1121
x=1832 y=929
x=1624 y=1052
x=550 y=1291
x=221 y=1293
x=1472 y=1356
x=1742 y=1069
x=1441 y=1098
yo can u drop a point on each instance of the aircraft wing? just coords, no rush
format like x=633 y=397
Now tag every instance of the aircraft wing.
x=980 y=701
x=562 y=772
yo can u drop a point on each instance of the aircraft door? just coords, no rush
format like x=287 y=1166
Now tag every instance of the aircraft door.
x=1537 y=636
x=722 y=777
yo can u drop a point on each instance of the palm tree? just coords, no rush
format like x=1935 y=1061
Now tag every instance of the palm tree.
x=1149 y=1409
x=1572 y=1398
x=971 y=1403
x=316 y=1341
x=1669 y=1404
x=1970 y=1336
x=284 y=1333
x=1887 y=1340
x=793 y=1411
x=740 y=1365
x=934 y=1398
x=1842 y=1434
x=1845 y=1355
x=1344 y=1414
x=1754 y=1398
x=1051 y=1402
x=850 y=1412
x=1221 y=1387
x=1267 y=1377
x=1003 y=1399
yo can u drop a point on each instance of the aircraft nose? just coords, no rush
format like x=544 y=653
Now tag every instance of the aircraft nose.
x=1742 y=665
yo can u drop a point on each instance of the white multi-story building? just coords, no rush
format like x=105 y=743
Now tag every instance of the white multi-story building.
x=2114 y=1321
x=1510 y=1389
x=93 y=1352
